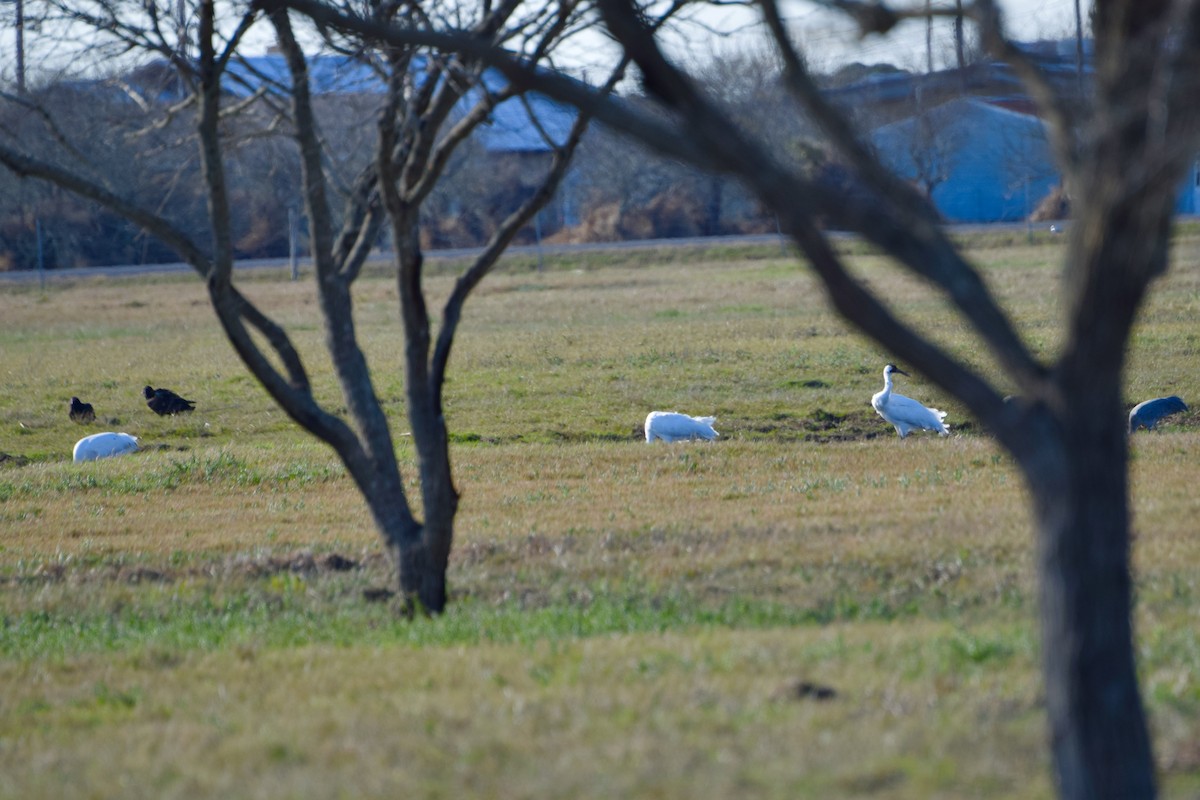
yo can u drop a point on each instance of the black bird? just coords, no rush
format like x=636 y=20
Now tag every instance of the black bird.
x=164 y=402
x=82 y=412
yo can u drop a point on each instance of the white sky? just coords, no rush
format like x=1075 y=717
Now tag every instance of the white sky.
x=828 y=40
x=831 y=40
x=1026 y=20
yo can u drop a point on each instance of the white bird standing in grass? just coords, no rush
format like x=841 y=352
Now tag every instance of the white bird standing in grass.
x=104 y=445
x=904 y=412
x=1148 y=413
x=671 y=426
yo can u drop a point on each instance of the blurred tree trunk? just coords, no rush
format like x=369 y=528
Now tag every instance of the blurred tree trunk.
x=1098 y=730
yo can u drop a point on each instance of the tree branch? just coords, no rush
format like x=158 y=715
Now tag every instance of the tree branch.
x=210 y=147
x=361 y=222
x=315 y=198
x=448 y=144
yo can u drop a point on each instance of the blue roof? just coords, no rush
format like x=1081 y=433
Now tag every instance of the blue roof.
x=510 y=129
x=992 y=164
x=326 y=75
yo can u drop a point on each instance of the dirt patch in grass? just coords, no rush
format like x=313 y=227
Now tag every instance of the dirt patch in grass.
x=824 y=427
x=817 y=426
x=302 y=562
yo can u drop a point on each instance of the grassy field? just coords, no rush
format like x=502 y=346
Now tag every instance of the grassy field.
x=808 y=607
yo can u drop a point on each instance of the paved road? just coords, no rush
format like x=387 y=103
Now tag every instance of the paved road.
x=28 y=276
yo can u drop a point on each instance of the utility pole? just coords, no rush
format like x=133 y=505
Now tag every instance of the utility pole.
x=20 y=46
x=958 y=33
x=293 y=236
x=181 y=27
x=929 y=35
x=1079 y=49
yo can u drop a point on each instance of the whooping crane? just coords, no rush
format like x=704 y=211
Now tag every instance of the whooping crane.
x=104 y=445
x=671 y=426
x=1147 y=414
x=904 y=412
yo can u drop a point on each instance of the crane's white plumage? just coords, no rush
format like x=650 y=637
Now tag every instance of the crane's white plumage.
x=671 y=426
x=1148 y=413
x=905 y=413
x=104 y=445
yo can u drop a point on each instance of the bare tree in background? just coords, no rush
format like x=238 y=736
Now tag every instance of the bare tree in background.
x=430 y=105
x=1123 y=158
x=928 y=143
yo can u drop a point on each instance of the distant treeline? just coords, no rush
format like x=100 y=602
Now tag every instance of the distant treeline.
x=615 y=191
x=139 y=150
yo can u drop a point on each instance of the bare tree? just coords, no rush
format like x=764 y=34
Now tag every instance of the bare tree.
x=927 y=145
x=429 y=105
x=1123 y=157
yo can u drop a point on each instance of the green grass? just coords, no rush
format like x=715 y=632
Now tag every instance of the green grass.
x=627 y=620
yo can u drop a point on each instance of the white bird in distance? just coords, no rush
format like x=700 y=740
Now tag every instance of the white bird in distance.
x=104 y=445
x=903 y=412
x=1147 y=414
x=671 y=426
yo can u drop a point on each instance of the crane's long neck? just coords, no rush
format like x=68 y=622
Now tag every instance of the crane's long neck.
x=887 y=384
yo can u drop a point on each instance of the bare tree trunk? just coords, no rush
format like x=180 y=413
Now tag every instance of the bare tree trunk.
x=423 y=565
x=1101 y=749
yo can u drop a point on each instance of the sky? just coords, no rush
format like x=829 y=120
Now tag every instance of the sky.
x=828 y=40
x=831 y=41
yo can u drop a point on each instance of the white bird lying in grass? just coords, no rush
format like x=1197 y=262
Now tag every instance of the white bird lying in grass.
x=905 y=413
x=1148 y=413
x=671 y=426
x=104 y=445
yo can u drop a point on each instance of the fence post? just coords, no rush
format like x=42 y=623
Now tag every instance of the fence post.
x=537 y=232
x=1028 y=214
x=41 y=256
x=292 y=235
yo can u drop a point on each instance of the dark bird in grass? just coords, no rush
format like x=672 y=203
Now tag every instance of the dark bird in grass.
x=806 y=690
x=164 y=402
x=82 y=412
x=1148 y=413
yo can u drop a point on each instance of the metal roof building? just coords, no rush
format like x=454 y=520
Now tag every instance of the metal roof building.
x=516 y=126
